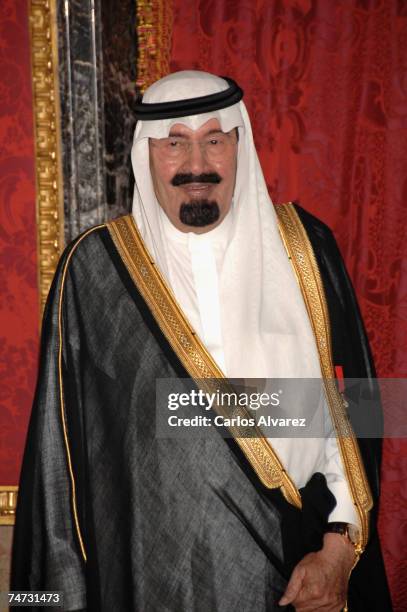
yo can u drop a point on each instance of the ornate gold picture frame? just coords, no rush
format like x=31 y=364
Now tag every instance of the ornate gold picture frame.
x=49 y=195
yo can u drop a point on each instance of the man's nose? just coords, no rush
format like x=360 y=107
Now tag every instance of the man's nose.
x=196 y=161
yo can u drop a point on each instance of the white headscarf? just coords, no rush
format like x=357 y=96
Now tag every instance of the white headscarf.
x=266 y=330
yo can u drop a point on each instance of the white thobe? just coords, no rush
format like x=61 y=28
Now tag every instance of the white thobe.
x=195 y=262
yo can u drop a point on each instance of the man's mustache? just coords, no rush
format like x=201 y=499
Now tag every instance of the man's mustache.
x=205 y=177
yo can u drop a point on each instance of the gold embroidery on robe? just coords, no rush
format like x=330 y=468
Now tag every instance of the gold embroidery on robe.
x=303 y=260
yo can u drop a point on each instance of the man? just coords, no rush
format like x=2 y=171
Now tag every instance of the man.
x=204 y=282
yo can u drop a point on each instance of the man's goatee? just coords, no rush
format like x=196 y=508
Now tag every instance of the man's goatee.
x=199 y=213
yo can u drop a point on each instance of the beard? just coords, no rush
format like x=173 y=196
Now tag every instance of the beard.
x=199 y=213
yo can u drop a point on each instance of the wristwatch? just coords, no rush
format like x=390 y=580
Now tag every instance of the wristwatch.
x=350 y=532
x=346 y=529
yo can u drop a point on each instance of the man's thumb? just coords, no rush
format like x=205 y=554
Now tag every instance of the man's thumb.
x=293 y=587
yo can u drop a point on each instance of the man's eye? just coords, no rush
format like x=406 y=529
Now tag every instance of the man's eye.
x=214 y=141
x=173 y=143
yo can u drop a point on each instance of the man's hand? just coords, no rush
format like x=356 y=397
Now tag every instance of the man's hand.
x=320 y=580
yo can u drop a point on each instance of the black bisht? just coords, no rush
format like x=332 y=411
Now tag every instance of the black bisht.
x=166 y=525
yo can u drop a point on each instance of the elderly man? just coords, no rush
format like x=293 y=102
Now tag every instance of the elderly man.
x=203 y=282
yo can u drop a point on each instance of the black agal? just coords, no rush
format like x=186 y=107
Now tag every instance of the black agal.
x=191 y=106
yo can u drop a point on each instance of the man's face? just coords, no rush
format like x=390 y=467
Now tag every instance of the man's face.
x=194 y=174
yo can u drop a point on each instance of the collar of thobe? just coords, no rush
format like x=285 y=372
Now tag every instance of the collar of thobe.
x=219 y=236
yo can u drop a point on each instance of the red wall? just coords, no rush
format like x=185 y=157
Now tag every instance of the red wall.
x=19 y=312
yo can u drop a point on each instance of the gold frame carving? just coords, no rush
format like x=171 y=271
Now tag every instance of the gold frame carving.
x=47 y=134
x=154 y=35
x=8 y=500
x=48 y=168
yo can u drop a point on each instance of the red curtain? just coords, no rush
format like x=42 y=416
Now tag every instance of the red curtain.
x=326 y=88
x=19 y=311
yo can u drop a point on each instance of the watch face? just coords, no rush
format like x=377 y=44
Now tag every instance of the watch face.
x=353 y=533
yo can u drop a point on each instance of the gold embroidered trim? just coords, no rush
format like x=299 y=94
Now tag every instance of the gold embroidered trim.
x=154 y=34
x=61 y=389
x=192 y=353
x=303 y=260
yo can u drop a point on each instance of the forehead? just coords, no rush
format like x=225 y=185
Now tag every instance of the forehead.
x=209 y=126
